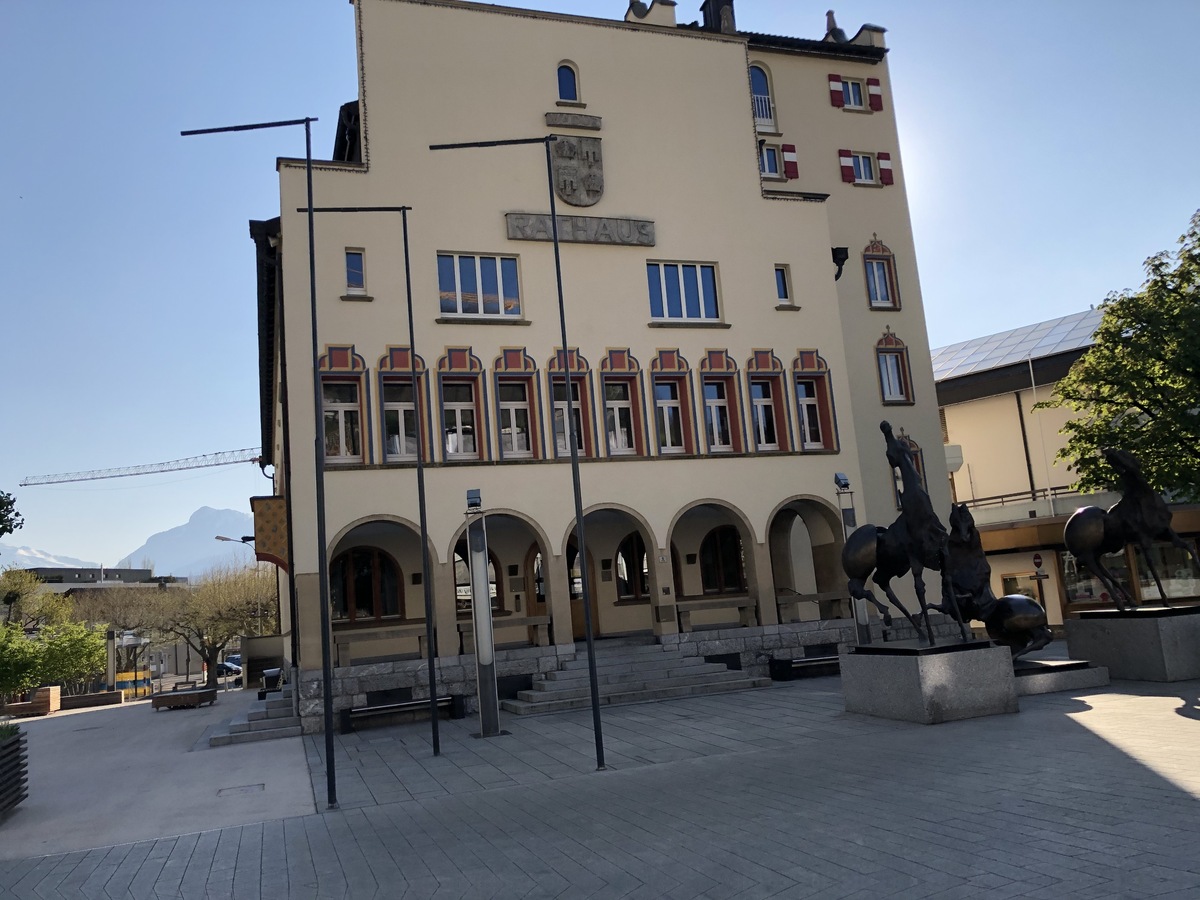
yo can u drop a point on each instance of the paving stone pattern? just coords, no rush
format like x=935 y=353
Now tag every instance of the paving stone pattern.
x=770 y=793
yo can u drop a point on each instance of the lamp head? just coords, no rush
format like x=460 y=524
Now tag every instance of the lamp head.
x=841 y=482
x=474 y=500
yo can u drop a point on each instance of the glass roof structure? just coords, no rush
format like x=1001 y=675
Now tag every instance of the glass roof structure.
x=1073 y=332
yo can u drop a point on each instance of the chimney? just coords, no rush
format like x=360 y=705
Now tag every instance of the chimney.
x=718 y=16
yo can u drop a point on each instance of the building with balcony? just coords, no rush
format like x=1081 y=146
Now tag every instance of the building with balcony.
x=1002 y=451
x=742 y=308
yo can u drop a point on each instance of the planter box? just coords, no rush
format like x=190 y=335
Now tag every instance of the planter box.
x=13 y=774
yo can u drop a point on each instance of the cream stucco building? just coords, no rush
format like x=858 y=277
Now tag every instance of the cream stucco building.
x=742 y=308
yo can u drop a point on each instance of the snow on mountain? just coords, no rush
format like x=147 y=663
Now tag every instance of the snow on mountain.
x=31 y=558
x=191 y=550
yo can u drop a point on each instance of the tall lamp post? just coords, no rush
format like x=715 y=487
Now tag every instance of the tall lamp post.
x=572 y=432
x=318 y=445
x=426 y=581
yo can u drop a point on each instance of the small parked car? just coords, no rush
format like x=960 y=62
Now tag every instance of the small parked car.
x=228 y=668
x=235 y=659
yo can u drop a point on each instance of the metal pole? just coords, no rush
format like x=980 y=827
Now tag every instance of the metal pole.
x=430 y=629
x=581 y=547
x=481 y=616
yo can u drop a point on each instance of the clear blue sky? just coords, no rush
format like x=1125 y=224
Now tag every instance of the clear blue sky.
x=1048 y=148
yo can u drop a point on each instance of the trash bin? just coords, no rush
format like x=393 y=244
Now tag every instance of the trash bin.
x=271 y=679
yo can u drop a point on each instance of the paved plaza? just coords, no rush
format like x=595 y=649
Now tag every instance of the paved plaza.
x=768 y=793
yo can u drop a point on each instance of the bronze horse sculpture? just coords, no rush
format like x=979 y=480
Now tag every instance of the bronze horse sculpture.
x=1014 y=620
x=1140 y=516
x=914 y=542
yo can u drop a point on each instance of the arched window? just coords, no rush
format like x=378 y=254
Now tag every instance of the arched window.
x=365 y=586
x=633 y=571
x=568 y=83
x=462 y=580
x=764 y=108
x=722 y=568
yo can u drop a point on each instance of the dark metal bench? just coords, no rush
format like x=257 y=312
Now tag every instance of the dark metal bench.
x=185 y=698
x=456 y=704
x=818 y=659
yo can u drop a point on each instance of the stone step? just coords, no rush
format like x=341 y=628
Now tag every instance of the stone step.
x=606 y=676
x=525 y=708
x=603 y=667
x=222 y=739
x=552 y=690
x=271 y=712
x=241 y=724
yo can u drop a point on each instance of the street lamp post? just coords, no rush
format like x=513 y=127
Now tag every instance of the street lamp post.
x=318 y=447
x=572 y=431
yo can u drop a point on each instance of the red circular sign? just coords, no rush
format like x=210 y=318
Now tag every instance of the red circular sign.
x=1037 y=560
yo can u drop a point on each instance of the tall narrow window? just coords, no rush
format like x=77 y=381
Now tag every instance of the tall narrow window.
x=880 y=269
x=400 y=431
x=783 y=286
x=768 y=161
x=561 y=410
x=892 y=380
x=619 y=418
x=763 y=404
x=764 y=108
x=343 y=415
x=515 y=437
x=809 y=407
x=568 y=84
x=722 y=568
x=716 y=417
x=668 y=415
x=356 y=275
x=459 y=420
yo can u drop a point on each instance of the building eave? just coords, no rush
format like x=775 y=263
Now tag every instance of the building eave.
x=266 y=264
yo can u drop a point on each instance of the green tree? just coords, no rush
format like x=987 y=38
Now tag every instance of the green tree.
x=10 y=519
x=1138 y=387
x=27 y=604
x=20 y=663
x=72 y=655
x=222 y=605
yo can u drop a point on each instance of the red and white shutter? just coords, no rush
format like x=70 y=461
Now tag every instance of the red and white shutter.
x=791 y=165
x=874 y=94
x=846 y=159
x=835 y=91
x=885 y=168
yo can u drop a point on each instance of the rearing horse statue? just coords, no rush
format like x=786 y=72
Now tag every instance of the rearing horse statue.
x=916 y=541
x=1140 y=516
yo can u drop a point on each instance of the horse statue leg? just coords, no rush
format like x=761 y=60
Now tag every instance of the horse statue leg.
x=950 y=600
x=1092 y=563
x=1143 y=544
x=858 y=589
x=918 y=572
x=884 y=581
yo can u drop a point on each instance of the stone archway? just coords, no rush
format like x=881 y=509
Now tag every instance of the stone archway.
x=805 y=540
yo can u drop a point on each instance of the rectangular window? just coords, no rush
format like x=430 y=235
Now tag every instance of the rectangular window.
x=356 y=276
x=893 y=377
x=864 y=168
x=343 y=417
x=880 y=291
x=808 y=404
x=716 y=417
x=783 y=287
x=558 y=392
x=400 y=430
x=459 y=417
x=762 y=401
x=852 y=94
x=668 y=414
x=478 y=285
x=768 y=161
x=620 y=418
x=683 y=291
x=515 y=420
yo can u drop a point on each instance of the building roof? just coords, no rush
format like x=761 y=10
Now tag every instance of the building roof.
x=995 y=351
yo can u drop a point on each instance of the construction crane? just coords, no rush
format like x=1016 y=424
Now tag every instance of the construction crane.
x=227 y=458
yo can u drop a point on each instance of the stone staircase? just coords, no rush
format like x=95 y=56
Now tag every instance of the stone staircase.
x=263 y=720
x=628 y=671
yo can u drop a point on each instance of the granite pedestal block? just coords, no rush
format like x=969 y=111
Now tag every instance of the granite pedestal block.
x=928 y=685
x=1036 y=676
x=1144 y=644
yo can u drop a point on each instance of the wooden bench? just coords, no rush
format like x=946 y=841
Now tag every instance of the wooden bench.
x=828 y=602
x=747 y=610
x=539 y=624
x=344 y=639
x=456 y=704
x=180 y=697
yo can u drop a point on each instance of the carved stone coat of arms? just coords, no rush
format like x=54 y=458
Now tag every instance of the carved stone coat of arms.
x=578 y=170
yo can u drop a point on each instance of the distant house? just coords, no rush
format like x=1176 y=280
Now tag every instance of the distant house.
x=1001 y=452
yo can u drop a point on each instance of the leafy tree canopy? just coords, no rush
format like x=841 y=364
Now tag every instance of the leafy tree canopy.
x=10 y=519
x=20 y=662
x=27 y=605
x=1138 y=387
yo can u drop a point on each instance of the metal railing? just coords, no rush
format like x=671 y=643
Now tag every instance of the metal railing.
x=764 y=114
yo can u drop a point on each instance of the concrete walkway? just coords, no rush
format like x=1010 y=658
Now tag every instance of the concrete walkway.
x=768 y=793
